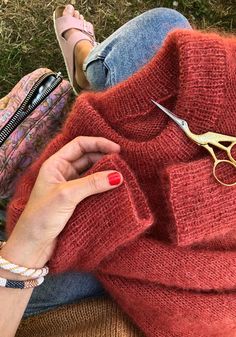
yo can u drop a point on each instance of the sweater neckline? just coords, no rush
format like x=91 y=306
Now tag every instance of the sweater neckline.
x=189 y=70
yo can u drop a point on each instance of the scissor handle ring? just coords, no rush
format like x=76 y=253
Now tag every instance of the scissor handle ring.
x=229 y=152
x=217 y=162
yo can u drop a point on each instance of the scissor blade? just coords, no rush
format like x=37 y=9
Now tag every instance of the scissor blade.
x=181 y=122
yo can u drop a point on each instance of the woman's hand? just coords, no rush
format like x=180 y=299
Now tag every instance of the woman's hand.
x=57 y=191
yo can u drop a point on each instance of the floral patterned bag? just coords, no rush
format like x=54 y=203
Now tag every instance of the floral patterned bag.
x=29 y=117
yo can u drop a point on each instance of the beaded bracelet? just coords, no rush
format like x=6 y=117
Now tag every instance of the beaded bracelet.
x=23 y=271
x=21 y=284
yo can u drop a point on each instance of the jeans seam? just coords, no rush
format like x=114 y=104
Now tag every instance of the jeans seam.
x=87 y=63
x=112 y=77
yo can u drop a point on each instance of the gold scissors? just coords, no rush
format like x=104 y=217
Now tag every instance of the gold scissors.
x=208 y=140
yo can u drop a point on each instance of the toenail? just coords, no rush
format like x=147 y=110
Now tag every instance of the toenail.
x=69 y=8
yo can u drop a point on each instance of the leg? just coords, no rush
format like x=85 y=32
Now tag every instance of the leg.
x=130 y=47
x=125 y=51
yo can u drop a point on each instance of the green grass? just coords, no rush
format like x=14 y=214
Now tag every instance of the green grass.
x=27 y=38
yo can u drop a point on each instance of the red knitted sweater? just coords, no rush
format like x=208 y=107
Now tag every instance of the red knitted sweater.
x=163 y=244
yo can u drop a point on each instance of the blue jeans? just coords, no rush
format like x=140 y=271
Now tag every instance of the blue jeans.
x=130 y=47
x=110 y=62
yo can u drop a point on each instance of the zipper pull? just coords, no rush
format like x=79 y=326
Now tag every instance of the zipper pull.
x=58 y=75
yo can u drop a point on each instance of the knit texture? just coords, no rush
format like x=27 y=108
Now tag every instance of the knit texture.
x=171 y=267
x=90 y=318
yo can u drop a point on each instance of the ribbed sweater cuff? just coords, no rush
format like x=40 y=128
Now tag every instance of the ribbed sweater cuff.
x=102 y=223
x=202 y=209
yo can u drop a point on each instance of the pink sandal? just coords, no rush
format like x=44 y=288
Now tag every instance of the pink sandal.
x=85 y=31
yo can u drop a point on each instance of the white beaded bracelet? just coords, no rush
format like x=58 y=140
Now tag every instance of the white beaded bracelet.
x=23 y=271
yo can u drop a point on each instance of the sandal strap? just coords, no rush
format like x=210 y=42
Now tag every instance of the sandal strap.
x=77 y=37
x=67 y=22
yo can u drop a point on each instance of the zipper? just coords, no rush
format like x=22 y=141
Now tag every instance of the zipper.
x=23 y=111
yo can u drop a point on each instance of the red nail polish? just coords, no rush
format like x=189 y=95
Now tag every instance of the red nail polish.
x=114 y=178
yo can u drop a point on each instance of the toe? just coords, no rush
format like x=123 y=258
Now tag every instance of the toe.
x=81 y=17
x=69 y=10
x=77 y=15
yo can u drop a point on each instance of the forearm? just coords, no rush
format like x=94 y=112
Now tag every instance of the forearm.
x=14 y=301
x=12 y=306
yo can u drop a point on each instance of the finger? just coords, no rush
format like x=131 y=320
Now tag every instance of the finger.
x=87 y=161
x=62 y=170
x=74 y=191
x=73 y=170
x=76 y=148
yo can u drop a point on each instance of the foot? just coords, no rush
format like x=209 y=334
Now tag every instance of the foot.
x=81 y=51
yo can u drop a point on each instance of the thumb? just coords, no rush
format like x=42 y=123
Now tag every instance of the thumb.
x=93 y=184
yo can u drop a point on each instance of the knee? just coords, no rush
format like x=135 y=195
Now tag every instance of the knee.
x=167 y=16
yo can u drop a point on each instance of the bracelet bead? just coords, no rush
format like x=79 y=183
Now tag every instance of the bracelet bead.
x=21 y=284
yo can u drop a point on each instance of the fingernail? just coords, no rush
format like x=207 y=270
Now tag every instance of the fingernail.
x=114 y=178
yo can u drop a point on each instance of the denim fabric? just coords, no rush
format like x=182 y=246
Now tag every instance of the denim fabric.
x=2 y=236
x=110 y=62
x=62 y=289
x=66 y=288
x=130 y=47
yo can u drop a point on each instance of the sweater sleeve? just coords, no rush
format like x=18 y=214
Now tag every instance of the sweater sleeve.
x=202 y=209
x=99 y=225
x=149 y=260
x=102 y=223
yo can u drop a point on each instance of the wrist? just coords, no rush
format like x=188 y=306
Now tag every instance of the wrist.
x=26 y=253
x=11 y=276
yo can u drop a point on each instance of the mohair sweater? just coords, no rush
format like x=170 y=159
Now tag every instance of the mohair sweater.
x=98 y=317
x=164 y=243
